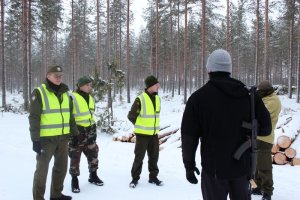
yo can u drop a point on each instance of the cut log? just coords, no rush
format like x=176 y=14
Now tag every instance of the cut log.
x=166 y=134
x=290 y=152
x=280 y=159
x=295 y=161
x=284 y=141
x=275 y=149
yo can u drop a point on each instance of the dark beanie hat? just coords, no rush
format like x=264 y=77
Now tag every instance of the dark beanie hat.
x=55 y=69
x=265 y=85
x=83 y=80
x=150 y=81
x=219 y=61
x=265 y=88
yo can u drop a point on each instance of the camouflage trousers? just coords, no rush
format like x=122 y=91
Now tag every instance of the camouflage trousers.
x=87 y=145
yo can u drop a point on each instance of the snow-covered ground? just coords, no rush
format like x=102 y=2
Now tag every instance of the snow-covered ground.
x=115 y=160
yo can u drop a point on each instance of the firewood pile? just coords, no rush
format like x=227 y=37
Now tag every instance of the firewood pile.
x=164 y=134
x=284 y=150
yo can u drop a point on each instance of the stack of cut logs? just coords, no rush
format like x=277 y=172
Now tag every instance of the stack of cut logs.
x=162 y=136
x=283 y=153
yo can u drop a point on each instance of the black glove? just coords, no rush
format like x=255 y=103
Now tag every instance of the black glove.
x=37 y=147
x=190 y=175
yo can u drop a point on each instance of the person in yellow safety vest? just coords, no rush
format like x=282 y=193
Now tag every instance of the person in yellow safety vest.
x=144 y=114
x=51 y=123
x=83 y=111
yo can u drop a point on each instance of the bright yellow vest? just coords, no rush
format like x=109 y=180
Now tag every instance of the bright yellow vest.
x=148 y=120
x=55 y=117
x=83 y=113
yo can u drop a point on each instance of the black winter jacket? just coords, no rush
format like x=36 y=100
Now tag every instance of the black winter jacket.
x=214 y=114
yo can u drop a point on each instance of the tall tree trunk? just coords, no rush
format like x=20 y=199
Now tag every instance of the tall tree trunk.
x=25 y=50
x=109 y=92
x=73 y=45
x=83 y=49
x=266 y=55
x=29 y=45
x=99 y=47
x=227 y=25
x=107 y=32
x=298 y=75
x=178 y=49
x=185 y=52
x=173 y=76
x=291 y=52
x=128 y=52
x=257 y=44
x=2 y=56
x=157 y=40
x=203 y=38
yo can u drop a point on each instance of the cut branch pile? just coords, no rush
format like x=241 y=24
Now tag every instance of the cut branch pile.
x=163 y=136
x=283 y=152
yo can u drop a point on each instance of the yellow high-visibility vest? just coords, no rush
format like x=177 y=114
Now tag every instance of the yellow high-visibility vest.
x=83 y=112
x=148 y=120
x=55 y=117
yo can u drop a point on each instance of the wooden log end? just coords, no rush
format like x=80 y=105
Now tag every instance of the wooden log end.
x=290 y=152
x=284 y=141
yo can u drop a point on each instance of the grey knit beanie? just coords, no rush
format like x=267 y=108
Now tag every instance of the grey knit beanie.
x=219 y=61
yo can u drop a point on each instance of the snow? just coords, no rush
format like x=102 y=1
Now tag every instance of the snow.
x=115 y=159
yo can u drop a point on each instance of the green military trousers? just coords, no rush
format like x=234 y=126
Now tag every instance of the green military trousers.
x=264 y=175
x=143 y=144
x=56 y=146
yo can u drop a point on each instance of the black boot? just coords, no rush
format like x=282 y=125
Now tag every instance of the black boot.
x=266 y=197
x=256 y=191
x=156 y=181
x=62 y=197
x=95 y=179
x=133 y=183
x=75 y=184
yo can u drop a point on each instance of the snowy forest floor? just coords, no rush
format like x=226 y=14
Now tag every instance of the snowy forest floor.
x=115 y=160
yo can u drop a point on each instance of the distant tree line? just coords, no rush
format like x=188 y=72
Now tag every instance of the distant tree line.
x=95 y=37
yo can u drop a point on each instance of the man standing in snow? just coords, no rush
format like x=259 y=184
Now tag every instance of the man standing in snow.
x=83 y=109
x=214 y=114
x=144 y=114
x=264 y=176
x=51 y=123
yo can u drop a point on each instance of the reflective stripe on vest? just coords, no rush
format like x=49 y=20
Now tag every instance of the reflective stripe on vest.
x=55 y=116
x=148 y=120
x=83 y=113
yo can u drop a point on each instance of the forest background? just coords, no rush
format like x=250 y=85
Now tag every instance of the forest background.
x=96 y=38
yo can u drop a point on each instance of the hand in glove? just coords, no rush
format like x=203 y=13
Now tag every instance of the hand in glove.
x=37 y=147
x=190 y=175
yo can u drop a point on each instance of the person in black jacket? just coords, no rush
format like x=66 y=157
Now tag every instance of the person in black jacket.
x=214 y=114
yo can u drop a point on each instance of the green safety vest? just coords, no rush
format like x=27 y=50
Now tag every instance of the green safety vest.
x=55 y=117
x=148 y=120
x=83 y=113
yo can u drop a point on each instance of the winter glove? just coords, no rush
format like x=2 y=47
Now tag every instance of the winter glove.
x=37 y=147
x=190 y=175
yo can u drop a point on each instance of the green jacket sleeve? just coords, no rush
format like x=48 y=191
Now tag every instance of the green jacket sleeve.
x=35 y=110
x=134 y=111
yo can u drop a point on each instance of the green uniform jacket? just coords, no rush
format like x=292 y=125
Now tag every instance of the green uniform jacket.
x=35 y=111
x=272 y=103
